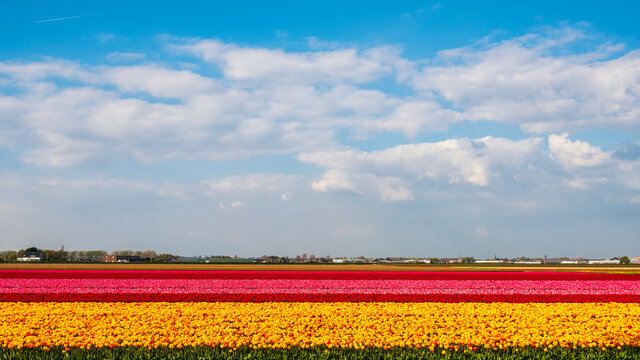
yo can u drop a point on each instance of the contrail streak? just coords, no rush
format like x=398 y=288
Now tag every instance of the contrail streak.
x=62 y=18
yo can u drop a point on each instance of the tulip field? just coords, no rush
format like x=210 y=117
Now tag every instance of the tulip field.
x=350 y=314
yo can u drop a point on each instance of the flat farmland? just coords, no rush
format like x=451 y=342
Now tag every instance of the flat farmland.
x=264 y=311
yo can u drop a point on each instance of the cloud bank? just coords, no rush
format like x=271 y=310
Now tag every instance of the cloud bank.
x=361 y=125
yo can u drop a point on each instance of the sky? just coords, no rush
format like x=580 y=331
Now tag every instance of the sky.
x=359 y=128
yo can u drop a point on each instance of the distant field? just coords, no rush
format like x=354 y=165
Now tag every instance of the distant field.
x=627 y=269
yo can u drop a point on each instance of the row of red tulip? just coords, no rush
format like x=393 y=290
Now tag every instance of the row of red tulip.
x=238 y=297
x=314 y=275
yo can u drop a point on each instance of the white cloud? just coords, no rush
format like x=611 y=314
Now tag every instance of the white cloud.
x=259 y=64
x=105 y=37
x=628 y=173
x=580 y=183
x=316 y=43
x=59 y=150
x=266 y=183
x=24 y=73
x=389 y=190
x=387 y=172
x=157 y=81
x=237 y=204
x=386 y=188
x=586 y=165
x=68 y=127
x=456 y=160
x=307 y=101
x=413 y=117
x=525 y=81
x=576 y=153
x=88 y=188
x=118 y=56
x=212 y=119
x=482 y=232
x=334 y=180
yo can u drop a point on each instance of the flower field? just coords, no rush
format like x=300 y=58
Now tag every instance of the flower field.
x=322 y=314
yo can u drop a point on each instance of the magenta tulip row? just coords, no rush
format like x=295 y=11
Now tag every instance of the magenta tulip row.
x=304 y=286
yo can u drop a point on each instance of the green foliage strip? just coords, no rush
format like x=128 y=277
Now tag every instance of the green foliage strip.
x=320 y=353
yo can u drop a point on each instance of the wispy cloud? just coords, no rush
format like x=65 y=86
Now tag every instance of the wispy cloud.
x=64 y=18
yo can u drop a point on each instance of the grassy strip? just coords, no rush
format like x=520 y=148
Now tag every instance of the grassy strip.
x=130 y=353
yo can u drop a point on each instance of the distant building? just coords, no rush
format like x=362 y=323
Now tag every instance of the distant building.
x=122 y=258
x=569 y=262
x=130 y=258
x=348 y=260
x=604 y=261
x=31 y=255
x=488 y=261
x=635 y=260
x=29 y=259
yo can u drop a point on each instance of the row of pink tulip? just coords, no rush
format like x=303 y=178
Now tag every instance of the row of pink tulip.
x=304 y=286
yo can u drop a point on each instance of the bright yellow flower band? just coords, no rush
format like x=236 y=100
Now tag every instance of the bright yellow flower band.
x=356 y=325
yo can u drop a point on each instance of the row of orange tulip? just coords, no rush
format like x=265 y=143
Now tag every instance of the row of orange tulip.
x=342 y=325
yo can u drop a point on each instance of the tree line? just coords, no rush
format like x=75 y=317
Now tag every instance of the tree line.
x=79 y=256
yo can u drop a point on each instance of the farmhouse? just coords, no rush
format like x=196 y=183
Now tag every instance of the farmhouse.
x=31 y=254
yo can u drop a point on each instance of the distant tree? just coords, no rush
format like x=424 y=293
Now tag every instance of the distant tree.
x=125 y=252
x=75 y=256
x=149 y=254
x=12 y=257
x=625 y=260
x=62 y=255
x=95 y=255
x=55 y=255
x=48 y=255
x=435 y=260
x=166 y=257
x=5 y=254
x=468 y=260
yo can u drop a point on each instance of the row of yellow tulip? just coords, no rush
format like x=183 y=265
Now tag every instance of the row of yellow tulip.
x=342 y=325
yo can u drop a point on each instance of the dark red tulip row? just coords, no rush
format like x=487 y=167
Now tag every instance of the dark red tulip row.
x=451 y=298
x=312 y=275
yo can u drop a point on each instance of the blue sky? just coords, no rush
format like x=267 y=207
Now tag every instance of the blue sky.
x=410 y=128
